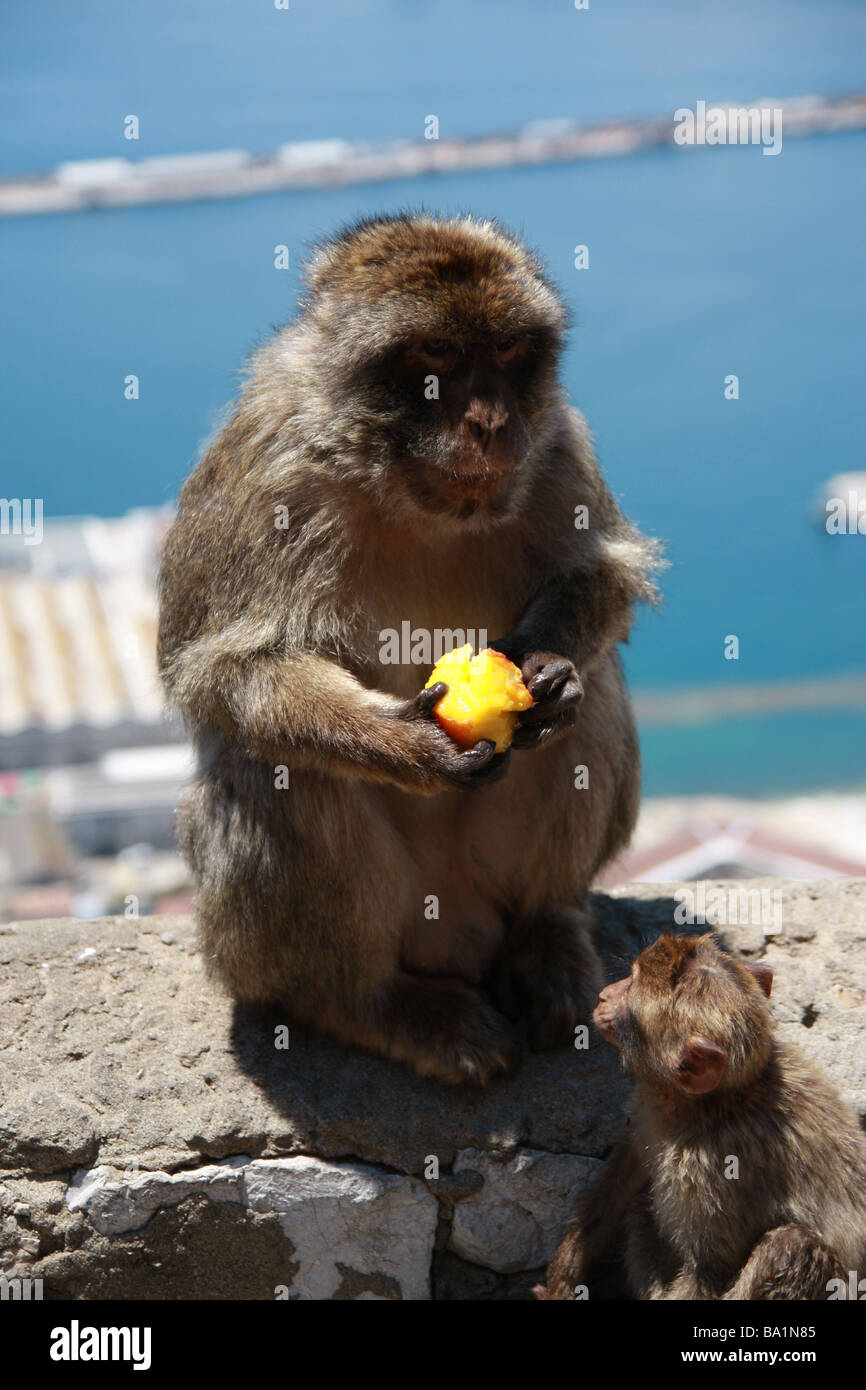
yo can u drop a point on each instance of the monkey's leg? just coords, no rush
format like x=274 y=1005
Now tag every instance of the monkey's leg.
x=790 y=1262
x=549 y=972
x=600 y=1211
x=653 y=1268
x=440 y=1026
x=319 y=932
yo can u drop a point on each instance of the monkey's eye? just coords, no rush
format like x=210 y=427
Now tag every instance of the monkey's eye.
x=436 y=354
x=510 y=351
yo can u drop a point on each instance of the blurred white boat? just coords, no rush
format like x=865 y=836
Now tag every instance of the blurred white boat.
x=840 y=504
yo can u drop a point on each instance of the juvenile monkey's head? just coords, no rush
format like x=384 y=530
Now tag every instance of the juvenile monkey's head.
x=439 y=344
x=689 y=1018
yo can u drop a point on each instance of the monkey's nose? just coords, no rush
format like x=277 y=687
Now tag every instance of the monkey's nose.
x=482 y=423
x=479 y=434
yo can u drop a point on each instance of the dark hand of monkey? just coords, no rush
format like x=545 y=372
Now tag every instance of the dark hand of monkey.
x=556 y=690
x=470 y=769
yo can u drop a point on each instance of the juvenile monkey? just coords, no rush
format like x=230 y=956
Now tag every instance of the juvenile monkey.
x=714 y=1085
x=403 y=451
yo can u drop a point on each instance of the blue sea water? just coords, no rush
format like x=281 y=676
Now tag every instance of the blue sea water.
x=702 y=263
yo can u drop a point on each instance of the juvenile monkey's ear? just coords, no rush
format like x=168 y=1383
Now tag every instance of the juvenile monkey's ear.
x=701 y=1067
x=763 y=974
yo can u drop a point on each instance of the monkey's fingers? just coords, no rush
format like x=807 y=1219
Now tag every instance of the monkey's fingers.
x=557 y=680
x=493 y=771
x=569 y=697
x=534 y=735
x=477 y=767
x=421 y=707
x=546 y=674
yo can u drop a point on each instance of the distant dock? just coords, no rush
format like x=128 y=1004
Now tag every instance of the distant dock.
x=703 y=706
x=118 y=182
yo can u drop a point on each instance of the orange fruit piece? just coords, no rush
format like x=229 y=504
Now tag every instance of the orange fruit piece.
x=485 y=695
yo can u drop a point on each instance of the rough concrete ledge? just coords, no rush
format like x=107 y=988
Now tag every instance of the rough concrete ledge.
x=156 y=1143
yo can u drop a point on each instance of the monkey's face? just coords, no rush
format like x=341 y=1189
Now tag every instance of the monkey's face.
x=442 y=341
x=611 y=1007
x=687 y=1017
x=468 y=408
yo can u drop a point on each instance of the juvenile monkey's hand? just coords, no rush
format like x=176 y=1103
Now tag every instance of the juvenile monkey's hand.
x=447 y=764
x=556 y=691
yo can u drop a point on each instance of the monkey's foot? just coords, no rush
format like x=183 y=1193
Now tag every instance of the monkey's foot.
x=552 y=979
x=444 y=1028
x=559 y=1000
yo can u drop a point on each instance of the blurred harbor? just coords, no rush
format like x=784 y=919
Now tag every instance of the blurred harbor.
x=237 y=173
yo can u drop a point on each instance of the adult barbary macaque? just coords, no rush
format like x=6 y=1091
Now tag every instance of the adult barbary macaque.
x=403 y=451
x=743 y=1174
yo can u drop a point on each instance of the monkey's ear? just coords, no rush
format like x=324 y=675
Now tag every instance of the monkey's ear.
x=763 y=974
x=701 y=1067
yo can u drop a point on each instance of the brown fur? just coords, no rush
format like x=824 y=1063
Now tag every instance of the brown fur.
x=793 y=1219
x=269 y=643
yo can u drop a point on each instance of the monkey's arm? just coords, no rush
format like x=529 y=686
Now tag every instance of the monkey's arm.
x=582 y=610
x=572 y=621
x=582 y=613
x=789 y=1262
x=686 y=1287
x=591 y=580
x=305 y=711
x=600 y=1213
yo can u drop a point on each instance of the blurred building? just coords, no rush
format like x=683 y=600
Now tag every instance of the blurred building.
x=715 y=837
x=78 y=633
x=91 y=766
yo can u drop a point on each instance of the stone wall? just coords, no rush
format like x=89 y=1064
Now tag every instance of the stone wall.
x=155 y=1143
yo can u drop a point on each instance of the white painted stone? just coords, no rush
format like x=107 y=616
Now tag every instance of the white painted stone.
x=354 y=1215
x=340 y=1218
x=115 y=1202
x=516 y=1220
